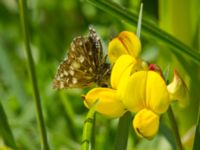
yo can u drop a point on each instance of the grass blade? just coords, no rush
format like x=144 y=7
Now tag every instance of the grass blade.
x=40 y=118
x=196 y=144
x=122 y=131
x=175 y=128
x=139 y=24
x=5 y=130
x=152 y=30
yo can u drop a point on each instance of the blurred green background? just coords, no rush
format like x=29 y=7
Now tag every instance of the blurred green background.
x=53 y=25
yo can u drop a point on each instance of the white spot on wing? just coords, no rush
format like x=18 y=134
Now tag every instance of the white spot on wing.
x=81 y=59
x=75 y=65
x=74 y=80
x=71 y=72
x=58 y=78
x=65 y=73
x=80 y=43
x=61 y=75
x=61 y=85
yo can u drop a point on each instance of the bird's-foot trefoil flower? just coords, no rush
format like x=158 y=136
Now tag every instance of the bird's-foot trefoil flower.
x=111 y=97
x=146 y=95
x=109 y=103
x=136 y=87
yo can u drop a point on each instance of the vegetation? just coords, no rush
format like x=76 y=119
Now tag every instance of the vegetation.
x=33 y=115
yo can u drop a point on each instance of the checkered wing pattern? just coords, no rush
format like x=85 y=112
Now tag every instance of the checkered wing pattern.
x=84 y=66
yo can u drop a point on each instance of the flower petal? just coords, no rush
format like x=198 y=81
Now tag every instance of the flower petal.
x=115 y=50
x=124 y=81
x=132 y=91
x=122 y=63
x=125 y=43
x=108 y=104
x=157 y=95
x=145 y=89
x=146 y=123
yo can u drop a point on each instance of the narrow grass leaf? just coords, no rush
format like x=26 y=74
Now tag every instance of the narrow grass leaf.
x=24 y=25
x=139 y=25
x=196 y=144
x=122 y=132
x=5 y=130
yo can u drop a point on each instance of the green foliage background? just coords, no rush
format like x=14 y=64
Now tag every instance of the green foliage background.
x=53 y=25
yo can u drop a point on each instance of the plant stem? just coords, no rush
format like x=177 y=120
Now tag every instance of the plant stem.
x=40 y=119
x=174 y=128
x=122 y=132
x=88 y=129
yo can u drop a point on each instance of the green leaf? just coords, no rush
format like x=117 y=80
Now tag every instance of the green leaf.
x=168 y=134
x=122 y=131
x=5 y=130
x=196 y=144
x=148 y=28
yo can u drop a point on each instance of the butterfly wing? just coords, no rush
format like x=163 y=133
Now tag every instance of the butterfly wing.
x=83 y=64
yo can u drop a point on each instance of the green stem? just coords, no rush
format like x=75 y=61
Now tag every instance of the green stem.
x=40 y=119
x=174 y=128
x=152 y=30
x=93 y=132
x=122 y=132
x=88 y=129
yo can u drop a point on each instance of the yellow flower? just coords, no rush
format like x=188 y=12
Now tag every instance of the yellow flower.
x=145 y=89
x=110 y=97
x=146 y=94
x=143 y=92
x=109 y=103
x=125 y=43
x=135 y=87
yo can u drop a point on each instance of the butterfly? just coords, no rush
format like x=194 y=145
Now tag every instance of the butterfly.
x=84 y=65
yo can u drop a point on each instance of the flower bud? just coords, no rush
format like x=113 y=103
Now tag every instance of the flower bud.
x=178 y=89
x=125 y=43
x=146 y=124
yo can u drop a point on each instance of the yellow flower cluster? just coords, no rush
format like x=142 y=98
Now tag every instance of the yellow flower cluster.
x=135 y=87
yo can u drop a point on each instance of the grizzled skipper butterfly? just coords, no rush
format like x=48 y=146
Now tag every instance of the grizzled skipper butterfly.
x=84 y=65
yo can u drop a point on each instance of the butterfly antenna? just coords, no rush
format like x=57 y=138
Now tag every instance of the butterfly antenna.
x=139 y=25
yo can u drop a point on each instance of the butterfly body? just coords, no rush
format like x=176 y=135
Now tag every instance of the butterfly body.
x=84 y=66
